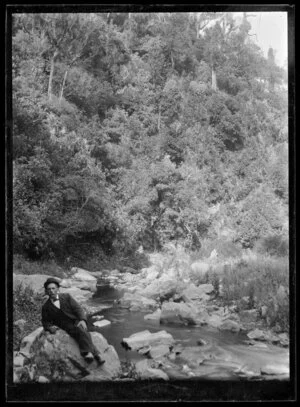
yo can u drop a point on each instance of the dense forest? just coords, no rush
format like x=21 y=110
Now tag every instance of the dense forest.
x=137 y=129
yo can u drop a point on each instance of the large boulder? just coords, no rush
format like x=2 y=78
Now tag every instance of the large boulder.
x=155 y=316
x=145 y=370
x=57 y=358
x=81 y=296
x=193 y=292
x=136 y=302
x=229 y=325
x=146 y=338
x=214 y=320
x=28 y=341
x=150 y=273
x=80 y=279
x=162 y=288
x=256 y=334
x=83 y=285
x=82 y=275
x=181 y=313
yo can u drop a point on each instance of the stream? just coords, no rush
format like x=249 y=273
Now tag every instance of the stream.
x=232 y=348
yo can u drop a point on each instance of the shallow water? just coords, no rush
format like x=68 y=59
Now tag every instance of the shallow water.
x=234 y=352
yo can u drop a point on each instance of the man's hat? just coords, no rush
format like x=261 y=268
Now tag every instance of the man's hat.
x=51 y=280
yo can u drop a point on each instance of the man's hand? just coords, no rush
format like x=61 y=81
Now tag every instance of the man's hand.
x=82 y=324
x=52 y=329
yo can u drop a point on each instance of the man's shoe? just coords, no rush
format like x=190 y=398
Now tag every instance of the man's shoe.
x=89 y=357
x=98 y=359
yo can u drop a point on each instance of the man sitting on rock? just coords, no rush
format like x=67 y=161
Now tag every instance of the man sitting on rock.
x=62 y=311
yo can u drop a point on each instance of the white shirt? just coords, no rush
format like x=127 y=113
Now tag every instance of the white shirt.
x=56 y=302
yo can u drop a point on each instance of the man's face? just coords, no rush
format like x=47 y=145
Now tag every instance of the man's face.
x=52 y=290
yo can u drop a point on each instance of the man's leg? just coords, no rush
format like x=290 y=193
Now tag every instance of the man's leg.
x=83 y=338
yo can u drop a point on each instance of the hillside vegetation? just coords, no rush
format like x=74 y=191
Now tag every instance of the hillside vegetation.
x=143 y=129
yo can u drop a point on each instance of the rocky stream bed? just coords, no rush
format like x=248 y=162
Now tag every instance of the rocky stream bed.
x=153 y=325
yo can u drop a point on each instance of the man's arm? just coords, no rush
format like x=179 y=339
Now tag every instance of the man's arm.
x=77 y=309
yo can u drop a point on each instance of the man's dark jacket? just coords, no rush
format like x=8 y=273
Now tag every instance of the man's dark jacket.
x=68 y=306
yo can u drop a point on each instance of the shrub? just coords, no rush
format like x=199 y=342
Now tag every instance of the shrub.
x=176 y=257
x=224 y=248
x=278 y=311
x=264 y=281
x=27 y=305
x=22 y=265
x=215 y=281
x=274 y=245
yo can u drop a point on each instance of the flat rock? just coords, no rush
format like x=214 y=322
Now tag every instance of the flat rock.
x=97 y=317
x=90 y=285
x=158 y=351
x=260 y=345
x=146 y=338
x=154 y=316
x=179 y=313
x=256 y=334
x=43 y=379
x=275 y=370
x=103 y=322
x=144 y=350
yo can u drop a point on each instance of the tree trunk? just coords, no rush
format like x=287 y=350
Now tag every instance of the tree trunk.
x=172 y=60
x=62 y=87
x=159 y=115
x=51 y=75
x=197 y=29
x=213 y=79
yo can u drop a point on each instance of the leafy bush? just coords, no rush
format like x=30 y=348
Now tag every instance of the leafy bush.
x=27 y=305
x=22 y=265
x=264 y=281
x=224 y=248
x=278 y=310
x=273 y=245
x=215 y=281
